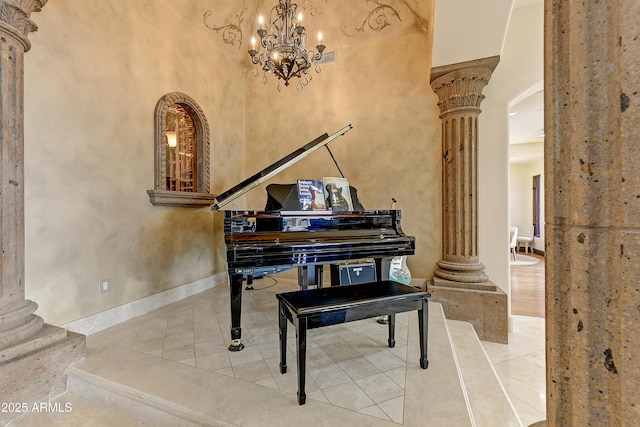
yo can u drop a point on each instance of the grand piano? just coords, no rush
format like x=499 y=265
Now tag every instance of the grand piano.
x=282 y=237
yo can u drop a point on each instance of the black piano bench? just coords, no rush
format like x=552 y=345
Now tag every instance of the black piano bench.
x=314 y=308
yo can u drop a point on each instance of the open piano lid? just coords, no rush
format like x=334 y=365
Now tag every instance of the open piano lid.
x=275 y=168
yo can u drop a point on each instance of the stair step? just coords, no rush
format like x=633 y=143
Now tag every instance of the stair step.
x=488 y=399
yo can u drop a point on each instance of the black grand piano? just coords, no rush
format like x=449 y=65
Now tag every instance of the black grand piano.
x=282 y=236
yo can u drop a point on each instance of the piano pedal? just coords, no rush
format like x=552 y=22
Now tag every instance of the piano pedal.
x=383 y=320
x=236 y=345
x=249 y=286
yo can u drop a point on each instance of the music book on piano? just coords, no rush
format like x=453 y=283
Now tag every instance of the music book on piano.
x=337 y=194
x=311 y=195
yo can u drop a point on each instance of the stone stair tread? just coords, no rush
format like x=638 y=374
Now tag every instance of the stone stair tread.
x=488 y=399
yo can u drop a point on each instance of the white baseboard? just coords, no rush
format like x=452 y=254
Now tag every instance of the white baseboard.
x=108 y=318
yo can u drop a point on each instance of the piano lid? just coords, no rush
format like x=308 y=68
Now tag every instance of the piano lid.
x=275 y=168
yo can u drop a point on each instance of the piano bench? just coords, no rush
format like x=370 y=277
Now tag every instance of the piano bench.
x=314 y=308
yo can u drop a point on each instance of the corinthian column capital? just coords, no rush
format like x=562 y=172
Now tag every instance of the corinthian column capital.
x=459 y=86
x=15 y=18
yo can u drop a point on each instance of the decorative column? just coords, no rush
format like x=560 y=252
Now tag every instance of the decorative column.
x=459 y=89
x=33 y=355
x=460 y=282
x=592 y=199
x=17 y=321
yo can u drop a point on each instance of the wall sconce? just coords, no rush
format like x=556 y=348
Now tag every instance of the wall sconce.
x=172 y=139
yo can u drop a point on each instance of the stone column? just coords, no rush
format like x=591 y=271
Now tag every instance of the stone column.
x=592 y=199
x=17 y=321
x=33 y=355
x=459 y=89
x=460 y=282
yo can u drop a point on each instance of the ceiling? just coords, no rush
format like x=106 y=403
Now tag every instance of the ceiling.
x=526 y=119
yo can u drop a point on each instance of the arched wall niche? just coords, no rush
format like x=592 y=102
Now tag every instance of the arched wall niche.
x=161 y=195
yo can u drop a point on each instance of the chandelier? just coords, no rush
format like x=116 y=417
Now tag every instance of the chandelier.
x=284 y=46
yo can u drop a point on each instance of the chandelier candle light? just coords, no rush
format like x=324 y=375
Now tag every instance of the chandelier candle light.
x=284 y=51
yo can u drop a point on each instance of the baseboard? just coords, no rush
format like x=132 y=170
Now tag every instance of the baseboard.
x=114 y=316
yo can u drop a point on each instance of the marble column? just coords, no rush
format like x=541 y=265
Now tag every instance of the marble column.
x=592 y=198
x=33 y=355
x=460 y=283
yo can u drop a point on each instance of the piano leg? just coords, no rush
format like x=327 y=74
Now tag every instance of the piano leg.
x=310 y=276
x=380 y=275
x=235 y=290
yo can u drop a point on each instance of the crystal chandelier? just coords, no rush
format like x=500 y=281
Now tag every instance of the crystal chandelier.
x=285 y=53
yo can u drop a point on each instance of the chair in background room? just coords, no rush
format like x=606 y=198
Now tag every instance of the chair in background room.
x=513 y=241
x=526 y=242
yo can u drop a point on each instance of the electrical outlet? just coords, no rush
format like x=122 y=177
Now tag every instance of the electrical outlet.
x=104 y=286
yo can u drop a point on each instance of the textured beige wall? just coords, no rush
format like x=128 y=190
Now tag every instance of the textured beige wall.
x=92 y=80
x=379 y=84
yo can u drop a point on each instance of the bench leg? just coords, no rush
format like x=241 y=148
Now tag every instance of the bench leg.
x=301 y=343
x=423 y=327
x=392 y=330
x=282 y=322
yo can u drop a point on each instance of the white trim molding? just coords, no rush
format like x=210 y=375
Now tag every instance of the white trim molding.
x=97 y=322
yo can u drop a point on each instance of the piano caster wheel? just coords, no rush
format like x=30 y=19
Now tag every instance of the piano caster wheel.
x=424 y=363
x=248 y=288
x=236 y=345
x=383 y=320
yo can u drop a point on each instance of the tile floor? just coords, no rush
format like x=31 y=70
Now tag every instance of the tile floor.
x=348 y=365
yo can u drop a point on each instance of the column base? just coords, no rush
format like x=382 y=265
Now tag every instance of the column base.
x=34 y=370
x=461 y=271
x=484 y=305
x=18 y=323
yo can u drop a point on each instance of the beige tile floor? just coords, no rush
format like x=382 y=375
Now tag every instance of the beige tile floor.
x=349 y=365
